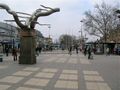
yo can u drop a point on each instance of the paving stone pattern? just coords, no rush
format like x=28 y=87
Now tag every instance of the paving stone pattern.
x=54 y=71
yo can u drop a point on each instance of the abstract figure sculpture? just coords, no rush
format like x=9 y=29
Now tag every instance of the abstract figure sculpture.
x=27 y=33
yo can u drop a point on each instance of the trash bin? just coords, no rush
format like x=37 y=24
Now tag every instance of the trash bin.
x=1 y=58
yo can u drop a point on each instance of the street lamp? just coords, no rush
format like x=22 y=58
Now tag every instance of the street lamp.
x=49 y=26
x=82 y=38
x=81 y=29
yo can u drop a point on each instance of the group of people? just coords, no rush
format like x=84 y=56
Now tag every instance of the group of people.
x=88 y=50
x=76 y=47
x=14 y=52
x=38 y=50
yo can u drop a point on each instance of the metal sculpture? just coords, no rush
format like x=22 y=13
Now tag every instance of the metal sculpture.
x=27 y=33
x=31 y=21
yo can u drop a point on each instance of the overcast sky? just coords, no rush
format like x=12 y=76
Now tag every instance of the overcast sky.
x=67 y=21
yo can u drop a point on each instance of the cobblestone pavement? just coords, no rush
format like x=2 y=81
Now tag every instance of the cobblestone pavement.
x=60 y=71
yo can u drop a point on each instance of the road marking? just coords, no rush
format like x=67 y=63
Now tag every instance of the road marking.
x=70 y=71
x=23 y=73
x=11 y=79
x=2 y=67
x=84 y=61
x=66 y=84
x=68 y=77
x=4 y=87
x=37 y=82
x=31 y=68
x=52 y=70
x=44 y=75
x=26 y=88
x=97 y=86
x=61 y=60
x=90 y=73
x=72 y=61
x=93 y=78
x=94 y=81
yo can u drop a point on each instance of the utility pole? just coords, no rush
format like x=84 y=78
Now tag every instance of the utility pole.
x=82 y=38
x=49 y=27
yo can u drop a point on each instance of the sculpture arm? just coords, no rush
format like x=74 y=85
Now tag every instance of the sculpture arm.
x=40 y=14
x=15 y=16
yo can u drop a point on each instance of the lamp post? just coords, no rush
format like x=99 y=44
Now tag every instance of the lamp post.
x=81 y=29
x=82 y=38
x=49 y=26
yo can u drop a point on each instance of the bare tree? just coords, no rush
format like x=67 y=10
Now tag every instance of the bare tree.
x=102 y=21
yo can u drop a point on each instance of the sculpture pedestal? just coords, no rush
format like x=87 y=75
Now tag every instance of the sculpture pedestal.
x=27 y=47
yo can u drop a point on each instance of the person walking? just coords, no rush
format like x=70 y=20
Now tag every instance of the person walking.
x=37 y=51
x=107 y=51
x=76 y=47
x=1 y=48
x=85 y=50
x=70 y=50
x=89 y=52
x=6 y=51
x=14 y=53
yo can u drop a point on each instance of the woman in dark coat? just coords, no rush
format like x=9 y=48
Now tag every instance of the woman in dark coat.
x=14 y=53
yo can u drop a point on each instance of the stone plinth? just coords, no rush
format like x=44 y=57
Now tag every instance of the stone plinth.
x=27 y=47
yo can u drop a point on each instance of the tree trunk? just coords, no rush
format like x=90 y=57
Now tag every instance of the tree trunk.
x=27 y=47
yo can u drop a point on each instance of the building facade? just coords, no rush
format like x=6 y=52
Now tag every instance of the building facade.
x=10 y=36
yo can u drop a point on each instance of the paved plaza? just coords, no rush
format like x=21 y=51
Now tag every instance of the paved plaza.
x=58 y=70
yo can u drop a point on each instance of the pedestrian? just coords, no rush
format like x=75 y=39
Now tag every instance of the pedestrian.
x=40 y=49
x=90 y=52
x=94 y=50
x=76 y=50
x=85 y=50
x=1 y=48
x=37 y=51
x=107 y=51
x=14 y=53
x=6 y=51
x=76 y=47
x=70 y=50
